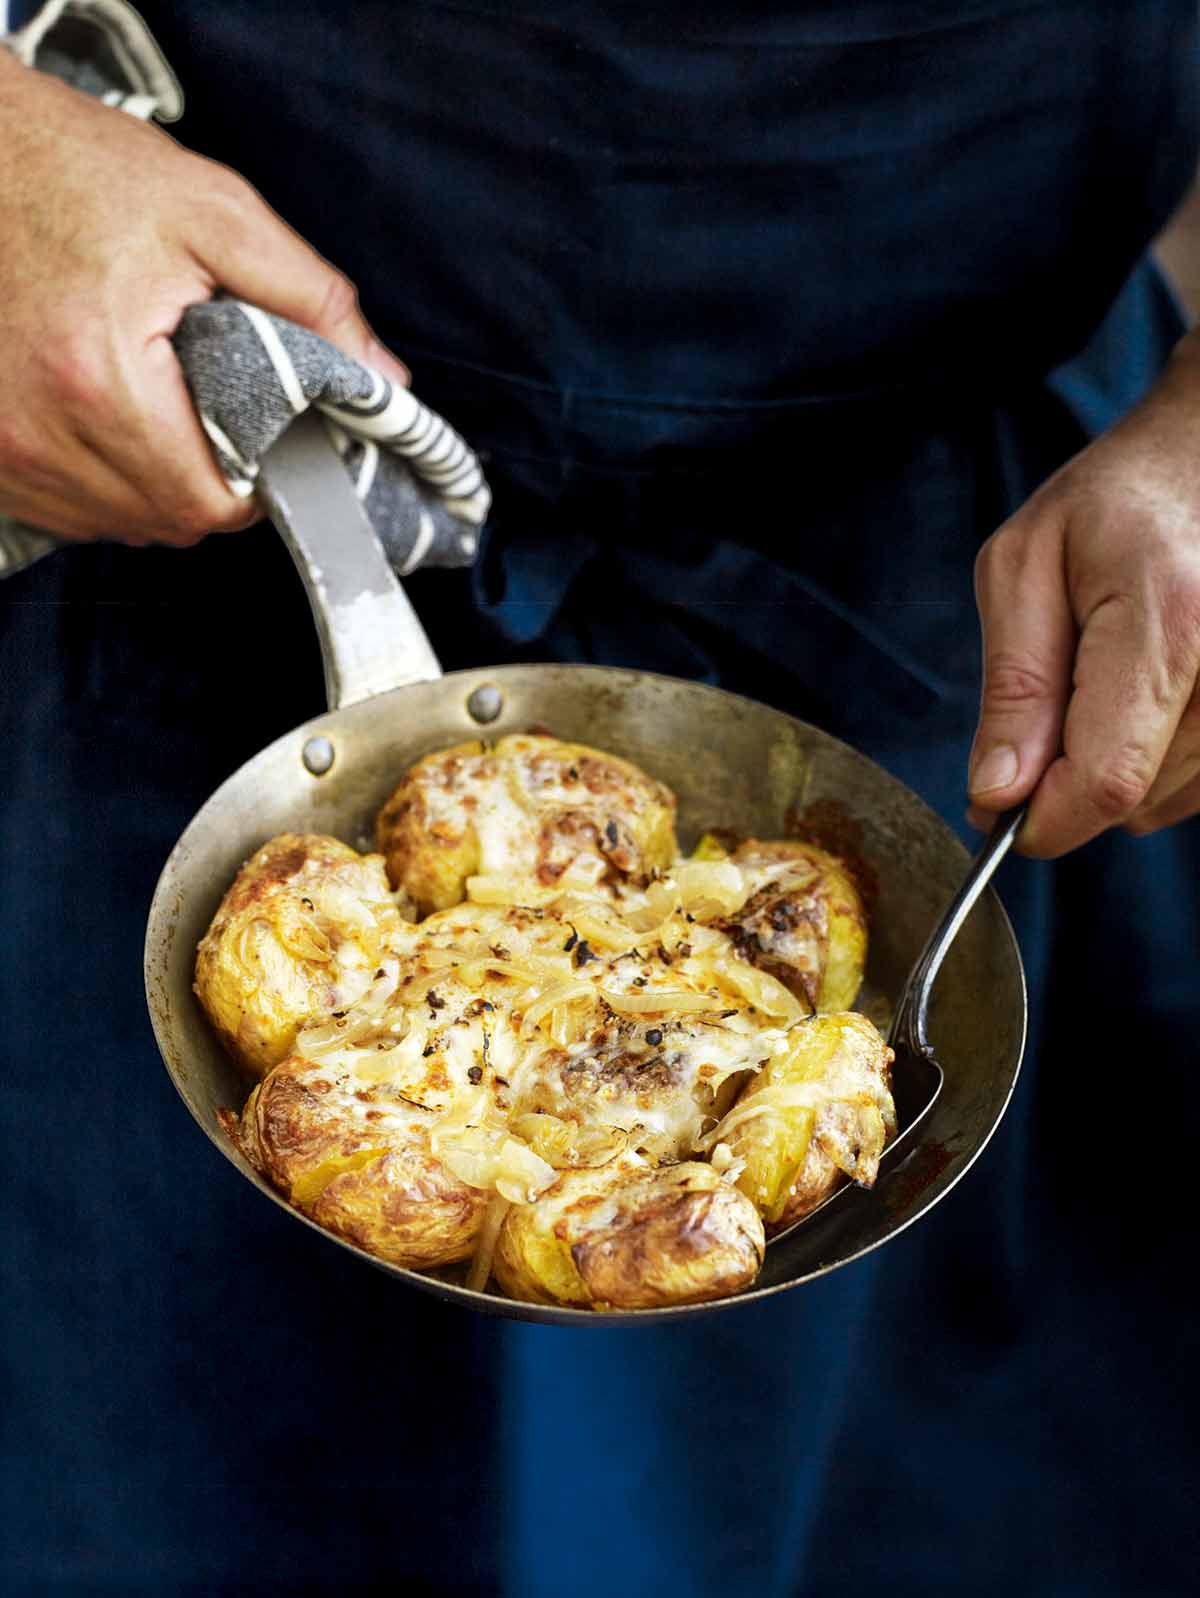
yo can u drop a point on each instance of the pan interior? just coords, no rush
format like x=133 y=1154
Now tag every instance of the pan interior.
x=731 y=762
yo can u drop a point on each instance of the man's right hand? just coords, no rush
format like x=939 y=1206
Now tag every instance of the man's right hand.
x=108 y=231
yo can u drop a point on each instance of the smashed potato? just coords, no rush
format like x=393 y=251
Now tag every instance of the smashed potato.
x=296 y=937
x=532 y=809
x=631 y=1237
x=816 y=1113
x=355 y=1157
x=593 y=1069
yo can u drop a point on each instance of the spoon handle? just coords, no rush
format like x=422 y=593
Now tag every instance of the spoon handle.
x=909 y=1023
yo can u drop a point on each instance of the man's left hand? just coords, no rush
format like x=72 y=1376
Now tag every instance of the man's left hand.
x=1089 y=598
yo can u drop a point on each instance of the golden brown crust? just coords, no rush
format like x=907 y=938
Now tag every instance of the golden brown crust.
x=356 y=1159
x=555 y=1054
x=817 y=1179
x=406 y=1208
x=533 y=808
x=242 y=1131
x=697 y=1244
x=632 y=1238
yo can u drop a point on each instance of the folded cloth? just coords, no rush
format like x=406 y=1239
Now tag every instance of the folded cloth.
x=251 y=373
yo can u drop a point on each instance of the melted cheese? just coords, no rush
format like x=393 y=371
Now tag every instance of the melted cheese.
x=465 y=1029
x=503 y=828
x=618 y=1022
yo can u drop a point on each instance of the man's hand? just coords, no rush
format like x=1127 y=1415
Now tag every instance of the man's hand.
x=1090 y=604
x=108 y=231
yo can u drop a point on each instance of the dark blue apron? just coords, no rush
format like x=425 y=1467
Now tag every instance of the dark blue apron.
x=765 y=317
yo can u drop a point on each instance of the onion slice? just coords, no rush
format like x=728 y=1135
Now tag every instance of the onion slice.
x=489 y=1236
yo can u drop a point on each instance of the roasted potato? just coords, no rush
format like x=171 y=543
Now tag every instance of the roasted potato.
x=491 y=1053
x=802 y=920
x=526 y=1076
x=352 y=1147
x=530 y=809
x=816 y=1114
x=298 y=935
x=628 y=1236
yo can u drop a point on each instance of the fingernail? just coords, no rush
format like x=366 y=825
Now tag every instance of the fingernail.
x=997 y=769
x=384 y=361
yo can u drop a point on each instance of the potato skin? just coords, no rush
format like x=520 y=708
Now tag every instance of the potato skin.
x=485 y=1012
x=531 y=807
x=274 y=956
x=796 y=1157
x=368 y=1178
x=406 y=1208
x=343 y=1127
x=805 y=922
x=631 y=1238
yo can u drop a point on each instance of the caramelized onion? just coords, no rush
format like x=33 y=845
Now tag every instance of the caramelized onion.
x=648 y=1001
x=510 y=890
x=363 y=1021
x=767 y=1101
x=710 y=887
x=562 y=994
x=474 y=973
x=763 y=991
x=566 y=1145
x=485 y=1249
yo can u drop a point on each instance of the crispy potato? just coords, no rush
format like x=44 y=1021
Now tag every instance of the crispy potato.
x=516 y=1078
x=406 y=1208
x=297 y=936
x=815 y=1115
x=531 y=809
x=631 y=1237
x=356 y=1158
x=803 y=921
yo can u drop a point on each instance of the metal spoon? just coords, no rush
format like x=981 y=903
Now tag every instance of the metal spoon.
x=917 y=1077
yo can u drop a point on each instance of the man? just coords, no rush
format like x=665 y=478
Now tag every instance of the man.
x=767 y=319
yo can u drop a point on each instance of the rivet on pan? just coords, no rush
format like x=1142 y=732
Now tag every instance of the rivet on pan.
x=317 y=756
x=486 y=702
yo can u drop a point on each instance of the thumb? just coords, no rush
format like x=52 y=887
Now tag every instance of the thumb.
x=1028 y=650
x=260 y=259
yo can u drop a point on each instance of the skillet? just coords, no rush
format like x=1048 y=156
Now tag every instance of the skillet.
x=729 y=760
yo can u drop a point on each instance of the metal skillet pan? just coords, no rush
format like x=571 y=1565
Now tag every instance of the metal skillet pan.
x=729 y=760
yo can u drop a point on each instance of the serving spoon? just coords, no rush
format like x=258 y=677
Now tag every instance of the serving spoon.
x=917 y=1078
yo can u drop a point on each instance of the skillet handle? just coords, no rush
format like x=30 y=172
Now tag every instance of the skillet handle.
x=371 y=639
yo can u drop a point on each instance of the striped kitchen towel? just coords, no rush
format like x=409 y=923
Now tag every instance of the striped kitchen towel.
x=251 y=373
